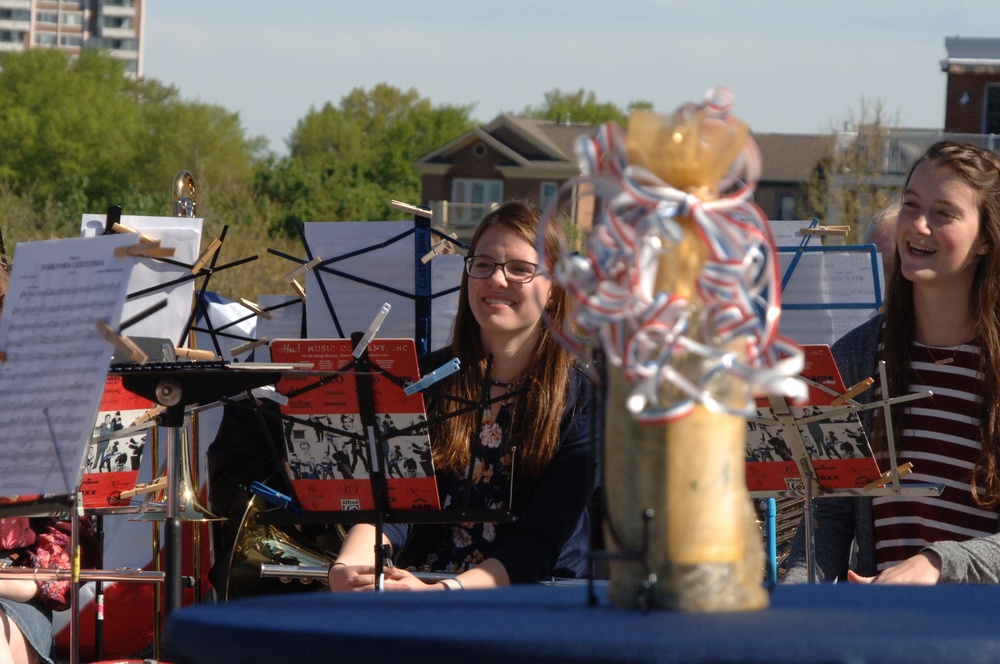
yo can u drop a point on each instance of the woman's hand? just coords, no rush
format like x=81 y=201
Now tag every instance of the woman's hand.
x=922 y=569
x=361 y=578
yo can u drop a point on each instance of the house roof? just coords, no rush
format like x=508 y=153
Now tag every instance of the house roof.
x=971 y=52
x=544 y=144
x=791 y=157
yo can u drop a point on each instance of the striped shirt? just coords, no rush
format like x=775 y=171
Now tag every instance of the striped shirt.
x=940 y=436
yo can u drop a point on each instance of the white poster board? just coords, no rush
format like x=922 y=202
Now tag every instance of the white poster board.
x=184 y=235
x=367 y=264
x=56 y=357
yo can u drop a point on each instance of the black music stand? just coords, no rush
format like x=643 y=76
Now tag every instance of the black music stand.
x=175 y=386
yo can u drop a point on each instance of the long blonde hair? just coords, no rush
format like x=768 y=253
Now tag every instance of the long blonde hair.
x=536 y=418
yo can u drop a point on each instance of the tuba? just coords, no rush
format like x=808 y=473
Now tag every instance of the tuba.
x=259 y=544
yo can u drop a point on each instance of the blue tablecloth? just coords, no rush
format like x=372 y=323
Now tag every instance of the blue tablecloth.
x=822 y=623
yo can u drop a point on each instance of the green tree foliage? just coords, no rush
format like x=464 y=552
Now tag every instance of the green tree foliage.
x=582 y=106
x=348 y=161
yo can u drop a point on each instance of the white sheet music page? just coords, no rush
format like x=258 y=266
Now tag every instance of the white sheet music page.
x=57 y=359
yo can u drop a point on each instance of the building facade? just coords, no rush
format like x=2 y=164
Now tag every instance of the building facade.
x=972 y=101
x=116 y=26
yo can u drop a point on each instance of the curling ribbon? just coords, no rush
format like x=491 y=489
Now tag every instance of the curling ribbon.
x=642 y=331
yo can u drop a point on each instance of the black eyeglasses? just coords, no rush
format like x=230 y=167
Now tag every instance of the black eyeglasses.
x=516 y=272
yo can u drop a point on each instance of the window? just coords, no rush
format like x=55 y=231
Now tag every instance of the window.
x=70 y=18
x=45 y=39
x=71 y=40
x=10 y=37
x=121 y=44
x=15 y=15
x=121 y=22
x=991 y=114
x=47 y=17
x=471 y=198
x=549 y=190
x=786 y=207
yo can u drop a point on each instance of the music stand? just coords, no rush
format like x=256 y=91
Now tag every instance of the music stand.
x=176 y=386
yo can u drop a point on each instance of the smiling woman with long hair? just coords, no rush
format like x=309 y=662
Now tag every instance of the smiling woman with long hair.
x=531 y=453
x=940 y=333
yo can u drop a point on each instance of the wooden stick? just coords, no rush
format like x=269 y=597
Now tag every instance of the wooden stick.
x=857 y=389
x=886 y=477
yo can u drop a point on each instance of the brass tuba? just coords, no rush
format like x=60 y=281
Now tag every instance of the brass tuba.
x=260 y=544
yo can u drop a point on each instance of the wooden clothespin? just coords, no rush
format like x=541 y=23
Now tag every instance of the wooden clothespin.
x=252 y=306
x=3 y=357
x=886 y=477
x=302 y=269
x=400 y=206
x=145 y=249
x=250 y=345
x=298 y=289
x=150 y=414
x=122 y=343
x=853 y=392
x=436 y=248
x=842 y=231
x=148 y=487
x=206 y=255
x=194 y=354
x=118 y=228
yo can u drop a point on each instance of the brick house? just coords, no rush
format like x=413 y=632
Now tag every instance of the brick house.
x=529 y=159
x=972 y=100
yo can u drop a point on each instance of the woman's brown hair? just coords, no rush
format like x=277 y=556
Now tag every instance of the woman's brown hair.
x=537 y=414
x=980 y=169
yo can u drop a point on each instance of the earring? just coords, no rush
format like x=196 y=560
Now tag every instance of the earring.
x=983 y=250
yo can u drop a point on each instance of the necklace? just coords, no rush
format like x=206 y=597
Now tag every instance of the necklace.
x=499 y=383
x=943 y=360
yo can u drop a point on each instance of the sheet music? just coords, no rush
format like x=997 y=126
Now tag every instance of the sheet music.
x=184 y=235
x=393 y=265
x=57 y=359
x=830 y=291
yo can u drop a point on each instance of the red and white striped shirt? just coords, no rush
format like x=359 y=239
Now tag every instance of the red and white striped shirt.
x=940 y=436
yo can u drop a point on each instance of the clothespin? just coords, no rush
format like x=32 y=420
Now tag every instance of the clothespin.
x=300 y=291
x=443 y=371
x=206 y=255
x=853 y=392
x=252 y=306
x=122 y=343
x=148 y=487
x=276 y=498
x=434 y=250
x=250 y=345
x=886 y=477
x=194 y=354
x=150 y=414
x=302 y=269
x=841 y=231
x=3 y=357
x=372 y=330
x=118 y=228
x=400 y=206
x=145 y=248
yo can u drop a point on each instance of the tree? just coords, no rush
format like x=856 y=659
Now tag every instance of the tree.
x=581 y=106
x=851 y=185
x=348 y=161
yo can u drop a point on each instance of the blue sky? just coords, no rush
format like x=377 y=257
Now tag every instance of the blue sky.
x=795 y=67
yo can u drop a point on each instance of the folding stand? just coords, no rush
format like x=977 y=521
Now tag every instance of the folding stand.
x=176 y=386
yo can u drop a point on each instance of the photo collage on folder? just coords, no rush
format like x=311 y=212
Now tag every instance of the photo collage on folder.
x=115 y=454
x=326 y=448
x=837 y=446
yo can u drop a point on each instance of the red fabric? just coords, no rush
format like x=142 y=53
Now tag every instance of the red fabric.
x=51 y=548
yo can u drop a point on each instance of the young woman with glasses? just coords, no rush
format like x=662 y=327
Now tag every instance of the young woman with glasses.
x=532 y=452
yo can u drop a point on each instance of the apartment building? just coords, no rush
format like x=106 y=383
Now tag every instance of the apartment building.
x=116 y=26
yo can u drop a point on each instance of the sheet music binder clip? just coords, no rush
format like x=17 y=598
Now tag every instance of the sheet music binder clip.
x=145 y=248
x=372 y=330
x=443 y=371
x=302 y=269
x=252 y=306
x=276 y=498
x=400 y=206
x=122 y=343
x=206 y=255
